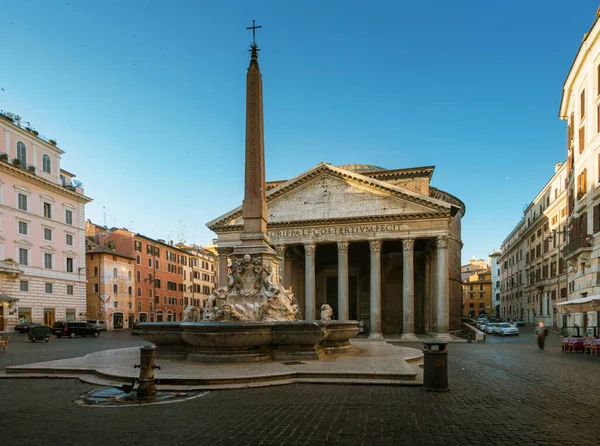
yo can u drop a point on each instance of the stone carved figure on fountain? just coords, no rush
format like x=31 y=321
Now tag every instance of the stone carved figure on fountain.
x=326 y=312
x=192 y=314
x=251 y=295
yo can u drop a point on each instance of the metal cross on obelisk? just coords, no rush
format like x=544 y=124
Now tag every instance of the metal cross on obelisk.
x=254 y=28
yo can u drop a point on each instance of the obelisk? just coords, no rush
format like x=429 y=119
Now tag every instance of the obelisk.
x=254 y=207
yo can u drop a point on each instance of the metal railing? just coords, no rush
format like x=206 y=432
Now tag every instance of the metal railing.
x=576 y=244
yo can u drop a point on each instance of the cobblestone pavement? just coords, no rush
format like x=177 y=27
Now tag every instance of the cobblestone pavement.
x=503 y=391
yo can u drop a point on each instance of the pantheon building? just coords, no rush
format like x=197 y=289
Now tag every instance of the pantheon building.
x=379 y=246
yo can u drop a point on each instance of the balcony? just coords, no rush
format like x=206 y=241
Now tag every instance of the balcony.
x=577 y=245
x=10 y=268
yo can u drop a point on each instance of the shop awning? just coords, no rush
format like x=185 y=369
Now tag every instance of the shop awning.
x=581 y=305
x=7 y=298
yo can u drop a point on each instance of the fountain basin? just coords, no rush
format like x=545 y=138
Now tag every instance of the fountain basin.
x=339 y=335
x=239 y=341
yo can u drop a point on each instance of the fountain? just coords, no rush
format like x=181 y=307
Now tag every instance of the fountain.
x=253 y=317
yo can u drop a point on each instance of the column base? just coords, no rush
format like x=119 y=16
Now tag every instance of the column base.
x=442 y=337
x=409 y=337
x=376 y=336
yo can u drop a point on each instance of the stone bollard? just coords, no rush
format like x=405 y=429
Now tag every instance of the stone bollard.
x=147 y=389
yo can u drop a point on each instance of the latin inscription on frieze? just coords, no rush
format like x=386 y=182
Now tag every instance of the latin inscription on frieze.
x=336 y=230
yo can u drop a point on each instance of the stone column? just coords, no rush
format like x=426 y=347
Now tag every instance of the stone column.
x=343 y=310
x=309 y=292
x=223 y=255
x=375 y=330
x=442 y=307
x=408 y=290
x=427 y=309
x=281 y=254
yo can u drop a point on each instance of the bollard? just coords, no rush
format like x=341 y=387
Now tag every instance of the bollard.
x=147 y=389
x=435 y=372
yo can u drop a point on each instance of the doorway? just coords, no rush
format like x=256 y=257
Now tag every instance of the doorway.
x=117 y=321
x=49 y=316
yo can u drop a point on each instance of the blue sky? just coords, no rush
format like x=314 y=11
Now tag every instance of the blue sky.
x=147 y=98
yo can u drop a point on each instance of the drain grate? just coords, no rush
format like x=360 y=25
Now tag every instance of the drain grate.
x=293 y=363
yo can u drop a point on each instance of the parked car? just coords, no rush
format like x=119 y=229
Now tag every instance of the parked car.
x=39 y=333
x=100 y=325
x=518 y=323
x=72 y=329
x=23 y=327
x=506 y=329
x=490 y=328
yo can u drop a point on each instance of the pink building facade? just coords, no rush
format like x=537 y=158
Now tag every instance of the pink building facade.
x=42 y=232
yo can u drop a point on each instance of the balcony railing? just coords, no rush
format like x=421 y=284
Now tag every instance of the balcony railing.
x=576 y=244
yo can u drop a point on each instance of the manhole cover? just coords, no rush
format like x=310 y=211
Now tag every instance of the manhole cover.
x=293 y=363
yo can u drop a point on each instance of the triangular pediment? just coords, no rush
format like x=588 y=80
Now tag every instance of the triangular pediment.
x=331 y=193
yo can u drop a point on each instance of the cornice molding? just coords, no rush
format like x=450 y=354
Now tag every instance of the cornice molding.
x=339 y=221
x=48 y=184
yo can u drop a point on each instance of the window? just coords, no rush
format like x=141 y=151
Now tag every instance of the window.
x=48 y=234
x=582 y=105
x=139 y=305
x=115 y=272
x=22 y=154
x=46 y=165
x=482 y=305
x=138 y=246
x=48 y=288
x=116 y=288
x=139 y=292
x=582 y=139
x=23 y=228
x=22 y=202
x=70 y=290
x=138 y=260
x=68 y=217
x=139 y=276
x=47 y=210
x=150 y=263
x=130 y=290
x=95 y=271
x=116 y=304
x=95 y=288
x=23 y=256
x=70 y=264
x=24 y=286
x=68 y=239
x=129 y=274
x=48 y=260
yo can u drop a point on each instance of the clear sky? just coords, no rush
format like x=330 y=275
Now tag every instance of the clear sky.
x=147 y=98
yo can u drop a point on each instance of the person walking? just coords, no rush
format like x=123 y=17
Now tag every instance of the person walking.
x=541 y=331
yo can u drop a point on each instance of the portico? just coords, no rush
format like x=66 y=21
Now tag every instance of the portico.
x=377 y=252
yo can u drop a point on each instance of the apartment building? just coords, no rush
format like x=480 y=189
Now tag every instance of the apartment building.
x=580 y=108
x=42 y=230
x=201 y=278
x=495 y=268
x=477 y=293
x=532 y=269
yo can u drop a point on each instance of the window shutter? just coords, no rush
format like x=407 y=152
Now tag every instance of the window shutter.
x=583 y=220
x=596 y=218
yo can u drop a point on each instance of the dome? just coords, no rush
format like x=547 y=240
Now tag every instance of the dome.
x=361 y=168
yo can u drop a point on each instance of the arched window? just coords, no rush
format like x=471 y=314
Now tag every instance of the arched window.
x=46 y=164
x=129 y=275
x=95 y=288
x=22 y=153
x=95 y=270
x=114 y=272
x=130 y=290
x=116 y=288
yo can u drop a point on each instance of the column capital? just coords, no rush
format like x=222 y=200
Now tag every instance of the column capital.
x=408 y=244
x=224 y=251
x=342 y=247
x=375 y=245
x=309 y=249
x=280 y=250
x=442 y=242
